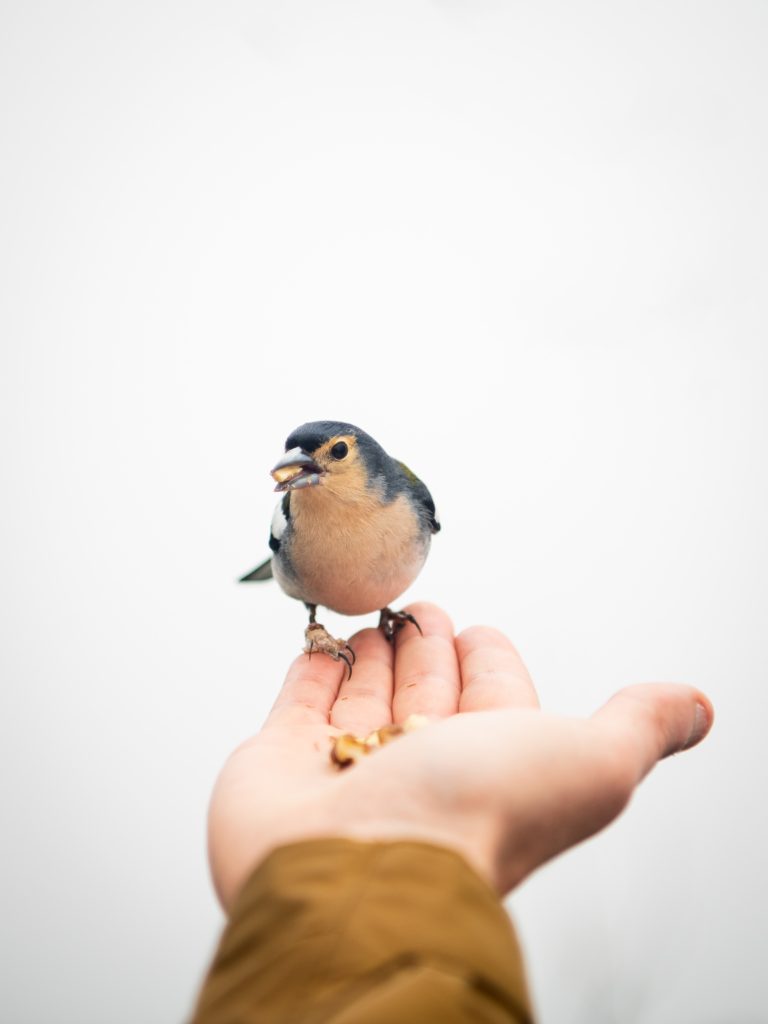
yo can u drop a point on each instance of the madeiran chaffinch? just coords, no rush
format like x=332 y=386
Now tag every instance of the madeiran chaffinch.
x=351 y=532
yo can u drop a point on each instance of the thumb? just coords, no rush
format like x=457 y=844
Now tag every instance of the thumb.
x=655 y=720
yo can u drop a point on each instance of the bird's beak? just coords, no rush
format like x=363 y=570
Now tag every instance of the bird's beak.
x=296 y=469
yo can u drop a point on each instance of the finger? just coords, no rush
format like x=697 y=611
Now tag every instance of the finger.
x=649 y=721
x=364 y=701
x=427 y=680
x=492 y=672
x=308 y=692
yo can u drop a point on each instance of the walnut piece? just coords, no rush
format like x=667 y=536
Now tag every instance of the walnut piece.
x=347 y=749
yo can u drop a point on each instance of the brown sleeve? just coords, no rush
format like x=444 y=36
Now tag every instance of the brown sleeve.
x=332 y=931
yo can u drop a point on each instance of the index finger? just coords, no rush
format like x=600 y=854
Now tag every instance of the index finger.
x=308 y=693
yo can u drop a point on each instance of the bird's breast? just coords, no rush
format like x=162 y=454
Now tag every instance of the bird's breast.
x=354 y=558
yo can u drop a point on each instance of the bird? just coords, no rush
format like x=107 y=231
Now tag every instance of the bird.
x=351 y=532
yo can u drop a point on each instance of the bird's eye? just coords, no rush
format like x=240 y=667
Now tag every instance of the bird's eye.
x=339 y=450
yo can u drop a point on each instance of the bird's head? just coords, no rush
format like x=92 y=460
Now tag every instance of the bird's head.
x=338 y=456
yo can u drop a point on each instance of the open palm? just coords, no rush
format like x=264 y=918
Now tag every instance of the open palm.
x=491 y=776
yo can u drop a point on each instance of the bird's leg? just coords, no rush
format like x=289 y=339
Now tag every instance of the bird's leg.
x=319 y=639
x=390 y=622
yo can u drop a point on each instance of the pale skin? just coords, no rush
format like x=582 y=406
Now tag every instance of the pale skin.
x=493 y=777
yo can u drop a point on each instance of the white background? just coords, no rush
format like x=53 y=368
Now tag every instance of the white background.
x=524 y=245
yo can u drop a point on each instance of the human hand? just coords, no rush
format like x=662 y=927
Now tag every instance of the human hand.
x=493 y=777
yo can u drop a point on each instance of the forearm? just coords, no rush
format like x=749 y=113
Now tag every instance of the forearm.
x=341 y=932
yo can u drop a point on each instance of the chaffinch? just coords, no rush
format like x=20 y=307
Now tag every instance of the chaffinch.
x=351 y=532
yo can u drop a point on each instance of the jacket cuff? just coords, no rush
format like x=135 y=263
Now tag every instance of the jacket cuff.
x=328 y=924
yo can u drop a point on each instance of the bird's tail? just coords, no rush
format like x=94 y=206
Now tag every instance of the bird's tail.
x=261 y=572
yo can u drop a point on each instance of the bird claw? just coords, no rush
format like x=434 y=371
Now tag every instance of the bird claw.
x=319 y=639
x=390 y=622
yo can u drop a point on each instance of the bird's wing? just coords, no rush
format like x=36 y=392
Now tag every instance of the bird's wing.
x=276 y=531
x=422 y=497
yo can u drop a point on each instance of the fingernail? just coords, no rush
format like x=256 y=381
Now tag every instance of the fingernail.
x=701 y=724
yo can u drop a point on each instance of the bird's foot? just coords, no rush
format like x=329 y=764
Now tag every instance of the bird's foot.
x=319 y=639
x=390 y=622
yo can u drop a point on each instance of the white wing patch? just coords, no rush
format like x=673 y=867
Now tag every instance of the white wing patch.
x=279 y=522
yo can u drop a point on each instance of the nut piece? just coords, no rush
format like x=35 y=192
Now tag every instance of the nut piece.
x=385 y=735
x=414 y=722
x=347 y=749
x=283 y=473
